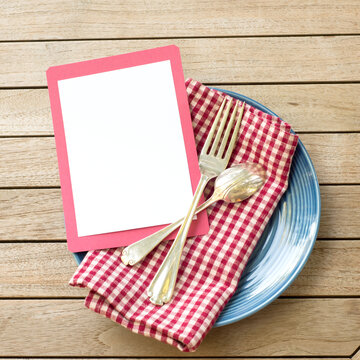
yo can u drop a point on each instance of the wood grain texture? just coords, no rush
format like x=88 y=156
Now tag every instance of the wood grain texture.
x=37 y=270
x=210 y=60
x=340 y=214
x=27 y=162
x=317 y=107
x=332 y=269
x=25 y=112
x=32 y=20
x=31 y=214
x=44 y=269
x=335 y=157
x=314 y=107
x=177 y=358
x=296 y=327
x=37 y=214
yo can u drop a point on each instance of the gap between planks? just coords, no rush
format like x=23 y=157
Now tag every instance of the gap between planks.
x=271 y=35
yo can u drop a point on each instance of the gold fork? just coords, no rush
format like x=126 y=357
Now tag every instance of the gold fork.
x=212 y=161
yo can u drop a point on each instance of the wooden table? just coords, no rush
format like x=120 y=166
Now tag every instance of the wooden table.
x=301 y=59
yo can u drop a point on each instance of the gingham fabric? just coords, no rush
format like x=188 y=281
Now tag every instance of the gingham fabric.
x=211 y=265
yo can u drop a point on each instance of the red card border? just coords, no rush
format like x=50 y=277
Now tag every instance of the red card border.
x=56 y=73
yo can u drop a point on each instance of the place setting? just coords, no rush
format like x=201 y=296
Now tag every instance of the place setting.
x=186 y=207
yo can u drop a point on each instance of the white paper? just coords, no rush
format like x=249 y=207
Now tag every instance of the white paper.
x=126 y=151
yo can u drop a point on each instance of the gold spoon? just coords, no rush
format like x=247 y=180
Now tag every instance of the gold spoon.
x=233 y=185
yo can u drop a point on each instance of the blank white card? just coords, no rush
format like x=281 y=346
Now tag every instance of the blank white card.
x=125 y=147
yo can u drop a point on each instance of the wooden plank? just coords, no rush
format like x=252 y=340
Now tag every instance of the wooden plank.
x=316 y=107
x=340 y=214
x=129 y=19
x=214 y=60
x=332 y=269
x=36 y=214
x=288 y=327
x=27 y=162
x=37 y=270
x=335 y=157
x=44 y=270
x=25 y=112
x=31 y=214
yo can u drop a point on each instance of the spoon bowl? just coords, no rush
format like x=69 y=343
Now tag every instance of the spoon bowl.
x=239 y=182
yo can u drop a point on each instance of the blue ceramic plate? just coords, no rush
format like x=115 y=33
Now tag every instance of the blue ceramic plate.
x=285 y=244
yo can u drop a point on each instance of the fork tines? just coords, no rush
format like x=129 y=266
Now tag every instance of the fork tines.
x=222 y=151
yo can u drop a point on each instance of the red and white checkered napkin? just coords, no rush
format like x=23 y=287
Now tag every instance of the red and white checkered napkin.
x=211 y=264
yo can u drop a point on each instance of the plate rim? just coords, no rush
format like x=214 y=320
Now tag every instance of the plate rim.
x=306 y=256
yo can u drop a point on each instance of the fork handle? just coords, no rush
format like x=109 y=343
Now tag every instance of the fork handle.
x=162 y=286
x=135 y=252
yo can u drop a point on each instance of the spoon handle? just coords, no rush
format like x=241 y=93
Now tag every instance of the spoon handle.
x=162 y=286
x=134 y=253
